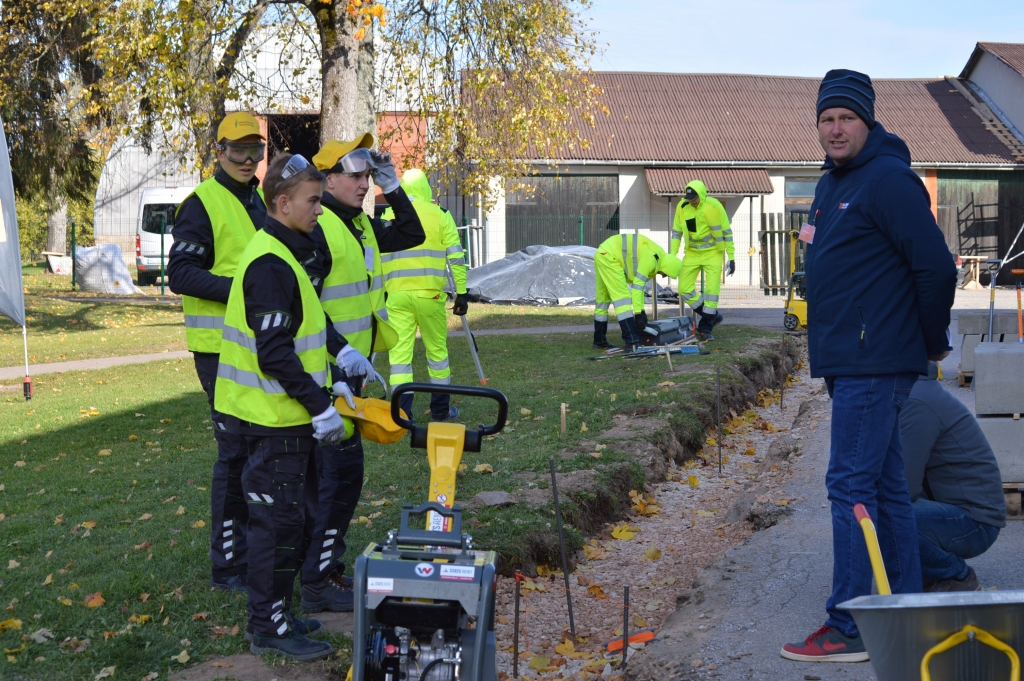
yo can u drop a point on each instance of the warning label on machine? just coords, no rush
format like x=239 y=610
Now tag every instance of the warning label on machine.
x=458 y=573
x=380 y=585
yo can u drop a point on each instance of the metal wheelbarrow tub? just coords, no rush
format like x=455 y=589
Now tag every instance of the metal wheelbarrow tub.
x=900 y=630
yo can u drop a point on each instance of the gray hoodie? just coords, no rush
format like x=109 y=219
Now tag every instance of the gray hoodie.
x=946 y=457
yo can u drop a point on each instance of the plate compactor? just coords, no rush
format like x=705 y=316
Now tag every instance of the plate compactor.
x=425 y=599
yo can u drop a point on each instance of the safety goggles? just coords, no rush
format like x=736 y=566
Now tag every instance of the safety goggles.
x=295 y=165
x=238 y=152
x=356 y=162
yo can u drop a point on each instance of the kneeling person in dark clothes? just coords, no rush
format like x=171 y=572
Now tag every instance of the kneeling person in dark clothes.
x=271 y=385
x=954 y=483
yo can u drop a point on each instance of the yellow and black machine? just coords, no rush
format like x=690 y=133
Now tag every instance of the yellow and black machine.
x=796 y=295
x=425 y=598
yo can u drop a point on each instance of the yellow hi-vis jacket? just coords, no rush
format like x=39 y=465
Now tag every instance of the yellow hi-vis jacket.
x=706 y=226
x=232 y=231
x=353 y=292
x=423 y=268
x=639 y=259
x=242 y=389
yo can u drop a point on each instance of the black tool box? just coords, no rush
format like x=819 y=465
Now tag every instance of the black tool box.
x=666 y=331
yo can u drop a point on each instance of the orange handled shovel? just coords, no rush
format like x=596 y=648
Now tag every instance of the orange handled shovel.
x=874 y=550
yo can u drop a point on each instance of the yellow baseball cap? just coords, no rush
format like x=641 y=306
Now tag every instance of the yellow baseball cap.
x=238 y=125
x=334 y=150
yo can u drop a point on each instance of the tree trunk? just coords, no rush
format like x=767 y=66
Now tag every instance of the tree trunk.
x=57 y=226
x=339 y=98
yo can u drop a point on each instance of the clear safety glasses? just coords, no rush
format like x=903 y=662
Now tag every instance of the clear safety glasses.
x=295 y=165
x=238 y=152
x=357 y=162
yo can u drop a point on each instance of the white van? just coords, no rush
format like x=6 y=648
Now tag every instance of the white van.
x=156 y=207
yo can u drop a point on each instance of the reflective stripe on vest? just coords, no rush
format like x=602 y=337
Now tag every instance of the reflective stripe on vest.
x=232 y=231
x=242 y=389
x=421 y=268
x=352 y=291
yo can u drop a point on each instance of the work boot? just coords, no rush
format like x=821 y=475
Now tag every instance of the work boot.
x=330 y=593
x=630 y=336
x=968 y=583
x=292 y=645
x=708 y=322
x=453 y=413
x=309 y=628
x=229 y=583
x=601 y=336
x=705 y=336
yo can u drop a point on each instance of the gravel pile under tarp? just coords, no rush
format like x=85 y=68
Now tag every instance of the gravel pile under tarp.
x=540 y=275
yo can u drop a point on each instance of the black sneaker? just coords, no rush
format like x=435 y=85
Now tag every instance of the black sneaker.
x=705 y=336
x=310 y=628
x=328 y=594
x=603 y=346
x=968 y=583
x=717 y=319
x=292 y=645
x=230 y=583
x=827 y=645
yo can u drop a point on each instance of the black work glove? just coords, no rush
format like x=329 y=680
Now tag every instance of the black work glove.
x=461 y=304
x=641 y=321
x=731 y=268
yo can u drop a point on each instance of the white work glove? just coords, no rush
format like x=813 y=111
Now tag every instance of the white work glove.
x=353 y=363
x=341 y=389
x=384 y=175
x=328 y=426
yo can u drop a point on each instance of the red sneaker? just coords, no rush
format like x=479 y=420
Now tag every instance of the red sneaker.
x=827 y=645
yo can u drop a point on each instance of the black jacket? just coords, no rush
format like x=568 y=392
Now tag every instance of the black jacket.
x=880 y=279
x=271 y=289
x=405 y=231
x=188 y=273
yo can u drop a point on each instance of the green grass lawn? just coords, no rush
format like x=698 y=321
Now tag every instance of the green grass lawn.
x=104 y=487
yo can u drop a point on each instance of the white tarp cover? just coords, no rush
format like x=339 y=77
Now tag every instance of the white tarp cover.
x=102 y=269
x=12 y=299
x=541 y=275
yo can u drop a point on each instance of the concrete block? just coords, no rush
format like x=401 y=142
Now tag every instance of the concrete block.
x=1006 y=437
x=977 y=323
x=999 y=379
x=967 y=347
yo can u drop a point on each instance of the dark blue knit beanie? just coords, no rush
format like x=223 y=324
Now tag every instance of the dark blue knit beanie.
x=850 y=90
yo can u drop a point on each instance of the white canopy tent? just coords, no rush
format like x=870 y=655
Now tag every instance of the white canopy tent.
x=12 y=296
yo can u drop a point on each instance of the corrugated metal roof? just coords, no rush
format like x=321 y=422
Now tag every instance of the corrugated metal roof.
x=662 y=117
x=1011 y=54
x=719 y=181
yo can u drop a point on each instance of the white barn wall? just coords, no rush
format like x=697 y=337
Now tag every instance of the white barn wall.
x=1003 y=85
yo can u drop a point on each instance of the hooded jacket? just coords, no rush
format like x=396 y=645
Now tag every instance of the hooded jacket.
x=880 y=279
x=706 y=227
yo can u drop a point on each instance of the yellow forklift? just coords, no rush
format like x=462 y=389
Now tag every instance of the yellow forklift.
x=796 y=296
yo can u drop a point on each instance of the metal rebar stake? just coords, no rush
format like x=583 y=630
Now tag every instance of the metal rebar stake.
x=625 y=627
x=561 y=544
x=719 y=421
x=515 y=630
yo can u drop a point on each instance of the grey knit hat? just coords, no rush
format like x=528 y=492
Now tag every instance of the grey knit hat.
x=848 y=89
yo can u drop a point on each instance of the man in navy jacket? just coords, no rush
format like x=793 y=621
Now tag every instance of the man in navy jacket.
x=880 y=284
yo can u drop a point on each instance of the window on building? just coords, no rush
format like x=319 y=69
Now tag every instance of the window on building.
x=800 y=189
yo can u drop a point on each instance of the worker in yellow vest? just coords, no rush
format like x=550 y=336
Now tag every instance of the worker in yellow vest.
x=414 y=280
x=351 y=245
x=703 y=220
x=272 y=389
x=212 y=227
x=623 y=265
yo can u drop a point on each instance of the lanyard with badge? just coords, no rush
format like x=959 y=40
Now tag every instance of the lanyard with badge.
x=807 y=229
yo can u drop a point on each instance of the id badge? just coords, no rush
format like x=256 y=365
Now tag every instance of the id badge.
x=807 y=233
x=368 y=258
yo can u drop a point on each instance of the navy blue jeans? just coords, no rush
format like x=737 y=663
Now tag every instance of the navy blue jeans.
x=866 y=467
x=948 y=534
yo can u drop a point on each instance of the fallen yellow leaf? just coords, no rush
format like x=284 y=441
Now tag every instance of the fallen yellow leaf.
x=95 y=600
x=12 y=564
x=104 y=452
x=565 y=648
x=104 y=673
x=622 y=532
x=596 y=591
x=165 y=420
x=139 y=619
x=652 y=553
x=133 y=438
x=539 y=663
x=583 y=427
x=463 y=468
x=64 y=601
x=599 y=448
x=524 y=411
x=89 y=524
x=181 y=658
x=180 y=511
x=10 y=625
x=613 y=397
x=380 y=502
x=199 y=523
x=48 y=580
x=145 y=516
x=19 y=464
x=693 y=480
x=483 y=468
x=59 y=519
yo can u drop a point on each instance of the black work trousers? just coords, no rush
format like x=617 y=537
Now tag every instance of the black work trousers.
x=339 y=470
x=228 y=510
x=275 y=490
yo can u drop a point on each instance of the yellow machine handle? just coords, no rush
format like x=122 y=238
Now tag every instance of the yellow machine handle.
x=971 y=632
x=874 y=551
